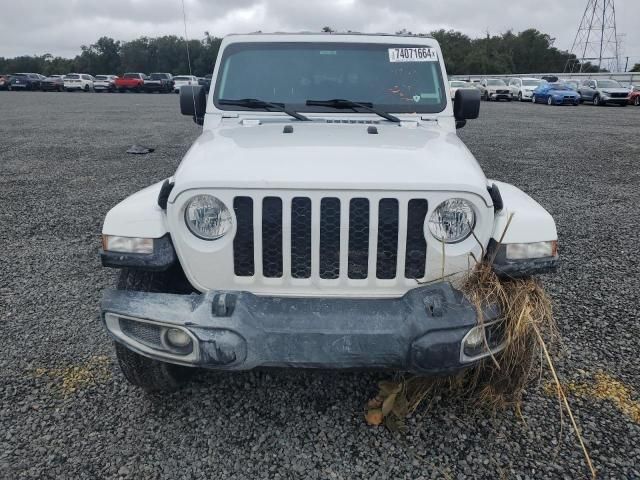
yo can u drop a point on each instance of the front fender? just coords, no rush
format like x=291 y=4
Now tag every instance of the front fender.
x=137 y=215
x=530 y=221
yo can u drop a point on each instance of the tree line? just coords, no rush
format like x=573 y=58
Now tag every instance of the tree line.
x=528 y=51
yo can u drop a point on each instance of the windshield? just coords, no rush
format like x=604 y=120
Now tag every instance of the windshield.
x=292 y=73
x=496 y=83
x=458 y=84
x=131 y=75
x=608 y=84
x=531 y=83
x=558 y=86
x=100 y=77
x=181 y=79
x=159 y=76
x=72 y=76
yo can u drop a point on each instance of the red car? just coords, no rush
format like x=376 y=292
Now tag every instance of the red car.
x=131 y=81
x=634 y=96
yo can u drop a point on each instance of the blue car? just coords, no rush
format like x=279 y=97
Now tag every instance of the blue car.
x=555 y=94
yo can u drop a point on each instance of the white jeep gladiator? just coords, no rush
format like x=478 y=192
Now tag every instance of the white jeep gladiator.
x=317 y=219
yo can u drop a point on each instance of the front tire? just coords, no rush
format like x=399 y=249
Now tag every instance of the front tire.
x=533 y=99
x=519 y=96
x=596 y=100
x=549 y=100
x=636 y=101
x=149 y=374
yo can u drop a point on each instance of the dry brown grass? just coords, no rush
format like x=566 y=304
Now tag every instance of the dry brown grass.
x=498 y=381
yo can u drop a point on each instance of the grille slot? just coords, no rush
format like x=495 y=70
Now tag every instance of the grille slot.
x=387 y=255
x=416 y=251
x=358 y=238
x=301 y=237
x=243 y=262
x=330 y=238
x=272 y=237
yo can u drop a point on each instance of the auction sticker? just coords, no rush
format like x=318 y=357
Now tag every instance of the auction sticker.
x=413 y=54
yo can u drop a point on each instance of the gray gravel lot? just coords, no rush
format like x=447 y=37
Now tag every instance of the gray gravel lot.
x=67 y=412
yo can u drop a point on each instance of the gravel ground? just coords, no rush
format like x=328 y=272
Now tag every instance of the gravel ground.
x=67 y=412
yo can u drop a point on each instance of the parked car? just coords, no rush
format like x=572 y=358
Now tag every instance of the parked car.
x=183 y=80
x=555 y=94
x=159 y=82
x=133 y=82
x=522 y=88
x=454 y=85
x=78 y=81
x=53 y=83
x=571 y=83
x=283 y=242
x=634 y=96
x=104 y=83
x=4 y=82
x=25 y=81
x=603 y=91
x=495 y=89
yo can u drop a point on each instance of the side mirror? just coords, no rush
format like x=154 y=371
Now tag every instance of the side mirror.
x=466 y=106
x=193 y=102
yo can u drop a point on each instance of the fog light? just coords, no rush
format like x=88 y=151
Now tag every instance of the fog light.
x=177 y=338
x=474 y=342
x=482 y=340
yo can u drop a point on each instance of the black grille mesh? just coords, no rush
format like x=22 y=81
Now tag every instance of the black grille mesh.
x=272 y=237
x=416 y=252
x=330 y=238
x=359 y=238
x=142 y=332
x=387 y=239
x=243 y=263
x=301 y=237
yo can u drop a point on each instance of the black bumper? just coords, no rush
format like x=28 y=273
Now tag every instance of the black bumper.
x=420 y=332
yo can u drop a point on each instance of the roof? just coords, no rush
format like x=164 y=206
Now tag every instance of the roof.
x=403 y=35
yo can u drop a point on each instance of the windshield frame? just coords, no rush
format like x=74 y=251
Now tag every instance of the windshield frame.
x=410 y=108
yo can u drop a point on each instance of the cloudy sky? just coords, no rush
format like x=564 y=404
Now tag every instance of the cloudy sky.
x=60 y=27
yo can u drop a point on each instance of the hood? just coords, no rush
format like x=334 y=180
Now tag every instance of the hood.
x=613 y=90
x=331 y=156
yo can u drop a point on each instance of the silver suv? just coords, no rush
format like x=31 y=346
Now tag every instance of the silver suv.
x=603 y=91
x=495 y=89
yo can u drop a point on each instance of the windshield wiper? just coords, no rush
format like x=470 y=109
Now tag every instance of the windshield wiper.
x=341 y=103
x=255 y=103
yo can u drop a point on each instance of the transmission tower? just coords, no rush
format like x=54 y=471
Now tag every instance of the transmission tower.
x=597 y=39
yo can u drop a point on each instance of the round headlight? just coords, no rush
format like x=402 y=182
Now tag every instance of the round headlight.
x=207 y=217
x=452 y=221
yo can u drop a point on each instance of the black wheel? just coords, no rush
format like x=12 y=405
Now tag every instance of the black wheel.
x=533 y=99
x=146 y=373
x=636 y=101
x=485 y=97
x=596 y=100
x=86 y=88
x=549 y=100
x=519 y=96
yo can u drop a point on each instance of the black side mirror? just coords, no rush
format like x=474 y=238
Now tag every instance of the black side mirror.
x=193 y=102
x=466 y=106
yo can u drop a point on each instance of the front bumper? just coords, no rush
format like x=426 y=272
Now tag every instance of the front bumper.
x=614 y=100
x=499 y=96
x=421 y=332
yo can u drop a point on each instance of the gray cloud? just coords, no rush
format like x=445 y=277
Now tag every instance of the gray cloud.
x=59 y=28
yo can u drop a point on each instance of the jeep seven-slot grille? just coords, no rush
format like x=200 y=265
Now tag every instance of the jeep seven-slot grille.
x=332 y=227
